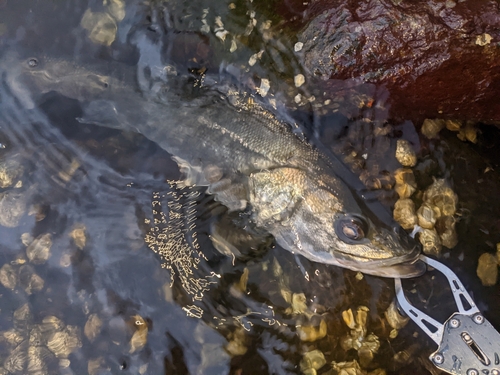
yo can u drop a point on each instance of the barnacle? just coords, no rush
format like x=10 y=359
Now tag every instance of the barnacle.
x=405 y=182
x=432 y=127
x=487 y=269
x=405 y=153
x=431 y=244
x=314 y=329
x=404 y=213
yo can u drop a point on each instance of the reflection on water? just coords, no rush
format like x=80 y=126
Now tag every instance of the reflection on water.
x=81 y=208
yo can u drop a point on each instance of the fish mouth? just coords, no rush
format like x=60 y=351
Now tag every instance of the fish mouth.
x=404 y=266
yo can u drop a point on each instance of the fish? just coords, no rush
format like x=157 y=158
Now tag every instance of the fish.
x=243 y=152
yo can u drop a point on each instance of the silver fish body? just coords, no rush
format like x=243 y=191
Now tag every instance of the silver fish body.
x=246 y=156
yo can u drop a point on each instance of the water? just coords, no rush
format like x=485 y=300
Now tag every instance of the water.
x=99 y=301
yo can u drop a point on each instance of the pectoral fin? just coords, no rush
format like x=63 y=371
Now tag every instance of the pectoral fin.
x=234 y=236
x=102 y=113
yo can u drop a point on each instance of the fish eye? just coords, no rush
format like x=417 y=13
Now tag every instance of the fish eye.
x=351 y=228
x=32 y=62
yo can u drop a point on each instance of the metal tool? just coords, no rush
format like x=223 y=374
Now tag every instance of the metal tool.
x=467 y=343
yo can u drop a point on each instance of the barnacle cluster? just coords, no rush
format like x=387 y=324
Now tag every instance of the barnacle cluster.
x=435 y=216
x=466 y=132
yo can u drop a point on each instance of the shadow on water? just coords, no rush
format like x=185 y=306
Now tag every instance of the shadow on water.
x=82 y=207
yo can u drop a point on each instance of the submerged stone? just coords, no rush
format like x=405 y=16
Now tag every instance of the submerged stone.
x=433 y=59
x=487 y=269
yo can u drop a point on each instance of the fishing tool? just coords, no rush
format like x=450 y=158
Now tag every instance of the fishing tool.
x=467 y=343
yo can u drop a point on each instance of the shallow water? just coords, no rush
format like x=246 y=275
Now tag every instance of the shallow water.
x=81 y=290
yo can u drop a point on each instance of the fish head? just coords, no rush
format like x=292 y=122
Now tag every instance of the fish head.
x=320 y=219
x=30 y=76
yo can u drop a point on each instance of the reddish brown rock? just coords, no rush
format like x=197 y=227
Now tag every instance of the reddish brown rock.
x=435 y=58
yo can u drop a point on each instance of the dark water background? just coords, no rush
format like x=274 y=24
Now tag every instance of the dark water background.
x=101 y=181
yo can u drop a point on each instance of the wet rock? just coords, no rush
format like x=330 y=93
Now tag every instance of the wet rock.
x=441 y=197
x=97 y=366
x=312 y=360
x=299 y=303
x=39 y=250
x=314 y=329
x=236 y=345
x=353 y=368
x=26 y=239
x=8 y=276
x=23 y=318
x=487 y=269
x=11 y=171
x=382 y=180
x=445 y=227
x=405 y=182
x=65 y=342
x=13 y=337
x=12 y=208
x=432 y=127
x=365 y=344
x=405 y=153
x=435 y=60
x=453 y=125
x=426 y=216
x=38 y=359
x=394 y=318
x=50 y=325
x=17 y=361
x=468 y=133
x=404 y=213
x=29 y=280
x=92 y=327
x=101 y=27
x=431 y=244
x=79 y=236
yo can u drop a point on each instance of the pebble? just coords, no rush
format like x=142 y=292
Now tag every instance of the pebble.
x=483 y=39
x=8 y=276
x=101 y=27
x=404 y=213
x=487 y=269
x=78 y=236
x=236 y=345
x=265 y=85
x=10 y=172
x=65 y=342
x=405 y=184
x=92 y=327
x=394 y=318
x=12 y=208
x=405 y=153
x=312 y=360
x=432 y=127
x=431 y=244
x=311 y=332
x=453 y=125
x=426 y=216
x=29 y=280
x=39 y=250
x=299 y=80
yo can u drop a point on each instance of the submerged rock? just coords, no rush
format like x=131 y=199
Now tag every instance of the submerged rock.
x=487 y=269
x=434 y=59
